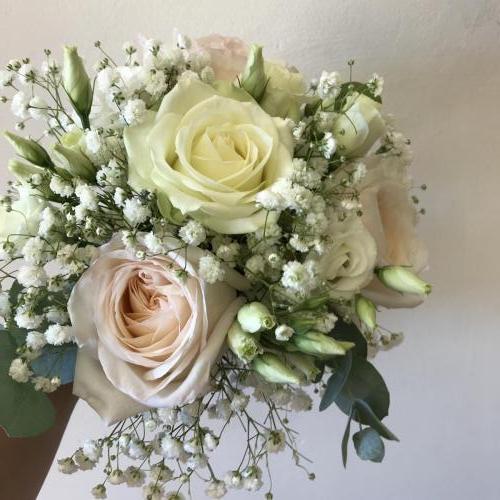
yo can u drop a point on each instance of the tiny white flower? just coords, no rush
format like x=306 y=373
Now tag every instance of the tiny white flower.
x=61 y=187
x=67 y=465
x=134 y=476
x=92 y=449
x=192 y=233
x=5 y=307
x=99 y=491
x=93 y=141
x=58 y=334
x=19 y=371
x=153 y=243
x=171 y=447
x=210 y=442
x=30 y=275
x=239 y=401
x=38 y=108
x=87 y=195
x=135 y=212
x=133 y=112
x=35 y=340
x=20 y=104
x=233 y=479
x=329 y=84
x=275 y=441
x=210 y=269
x=283 y=332
x=216 y=489
x=116 y=477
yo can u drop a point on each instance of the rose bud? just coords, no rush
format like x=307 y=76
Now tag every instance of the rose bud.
x=304 y=363
x=76 y=163
x=270 y=367
x=77 y=83
x=29 y=150
x=254 y=317
x=402 y=280
x=243 y=344
x=318 y=344
x=367 y=312
x=254 y=79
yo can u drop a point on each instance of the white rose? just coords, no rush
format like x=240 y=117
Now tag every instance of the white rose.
x=359 y=126
x=349 y=260
x=148 y=337
x=209 y=155
x=390 y=216
x=23 y=220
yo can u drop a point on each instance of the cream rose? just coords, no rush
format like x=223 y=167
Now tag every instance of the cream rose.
x=228 y=55
x=209 y=155
x=147 y=336
x=24 y=218
x=390 y=216
x=359 y=126
x=349 y=260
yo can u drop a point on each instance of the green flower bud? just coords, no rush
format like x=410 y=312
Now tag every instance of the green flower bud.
x=29 y=150
x=366 y=311
x=319 y=344
x=254 y=317
x=243 y=344
x=274 y=370
x=76 y=163
x=305 y=364
x=23 y=171
x=402 y=280
x=76 y=82
x=254 y=79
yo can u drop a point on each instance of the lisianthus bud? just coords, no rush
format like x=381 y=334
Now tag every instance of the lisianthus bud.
x=29 y=150
x=274 y=370
x=319 y=344
x=366 y=311
x=304 y=364
x=76 y=163
x=77 y=83
x=254 y=79
x=243 y=344
x=402 y=280
x=254 y=317
x=23 y=171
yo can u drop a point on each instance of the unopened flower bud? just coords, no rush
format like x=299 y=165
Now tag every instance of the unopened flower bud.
x=274 y=370
x=254 y=317
x=23 y=171
x=318 y=344
x=76 y=163
x=367 y=312
x=245 y=345
x=76 y=82
x=254 y=79
x=402 y=280
x=304 y=363
x=29 y=150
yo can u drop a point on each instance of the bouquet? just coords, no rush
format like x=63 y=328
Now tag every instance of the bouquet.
x=197 y=239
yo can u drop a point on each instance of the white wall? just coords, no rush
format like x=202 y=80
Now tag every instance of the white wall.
x=440 y=59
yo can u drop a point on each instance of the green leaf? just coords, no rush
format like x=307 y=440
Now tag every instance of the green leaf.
x=349 y=332
x=368 y=445
x=345 y=440
x=24 y=412
x=366 y=384
x=337 y=380
x=368 y=417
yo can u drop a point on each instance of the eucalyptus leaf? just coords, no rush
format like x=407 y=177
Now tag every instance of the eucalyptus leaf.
x=337 y=380
x=345 y=441
x=366 y=384
x=24 y=412
x=350 y=332
x=367 y=416
x=368 y=445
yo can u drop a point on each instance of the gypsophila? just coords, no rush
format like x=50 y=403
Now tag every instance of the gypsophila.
x=210 y=269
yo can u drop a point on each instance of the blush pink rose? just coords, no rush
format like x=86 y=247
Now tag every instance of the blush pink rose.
x=228 y=55
x=390 y=217
x=148 y=337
